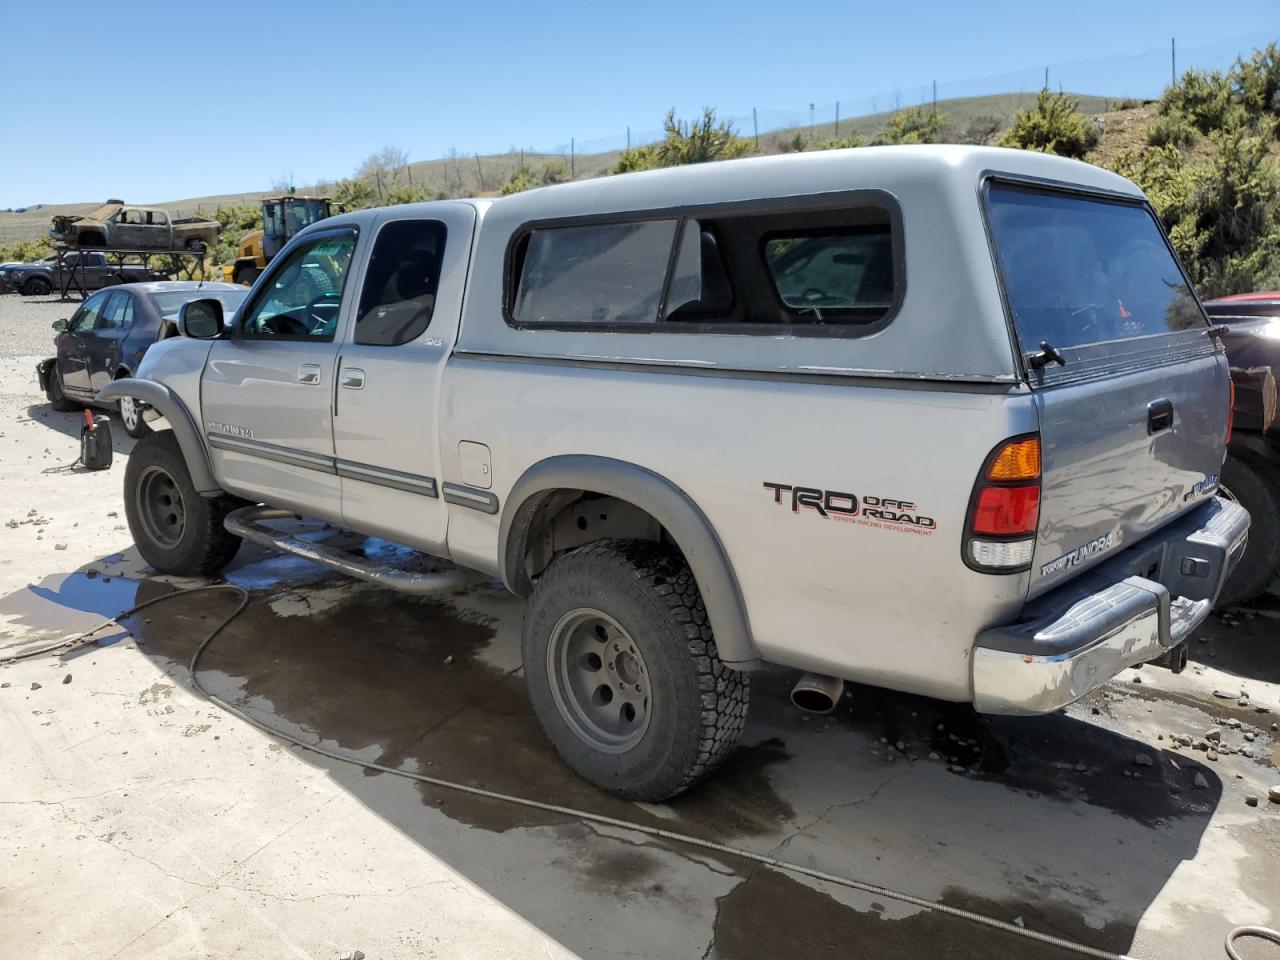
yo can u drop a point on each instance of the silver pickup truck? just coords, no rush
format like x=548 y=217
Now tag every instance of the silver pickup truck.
x=947 y=420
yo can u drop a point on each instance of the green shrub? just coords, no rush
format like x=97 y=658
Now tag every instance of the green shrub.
x=699 y=141
x=518 y=182
x=404 y=193
x=354 y=194
x=554 y=171
x=1222 y=213
x=636 y=158
x=913 y=125
x=26 y=251
x=1201 y=98
x=1172 y=129
x=1126 y=103
x=981 y=130
x=796 y=143
x=852 y=140
x=1053 y=124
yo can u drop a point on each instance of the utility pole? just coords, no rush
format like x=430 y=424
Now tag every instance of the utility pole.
x=935 y=98
x=1046 y=78
x=755 y=125
x=837 y=120
x=1173 y=60
x=628 y=138
x=572 y=151
x=811 y=118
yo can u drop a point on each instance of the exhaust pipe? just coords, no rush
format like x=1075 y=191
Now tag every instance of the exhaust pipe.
x=815 y=693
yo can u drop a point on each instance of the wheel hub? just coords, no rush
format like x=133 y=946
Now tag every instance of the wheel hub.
x=160 y=507
x=599 y=680
x=128 y=413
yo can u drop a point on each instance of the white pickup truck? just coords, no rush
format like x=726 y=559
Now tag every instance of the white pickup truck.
x=942 y=419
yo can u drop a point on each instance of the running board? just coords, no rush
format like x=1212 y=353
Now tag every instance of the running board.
x=247 y=524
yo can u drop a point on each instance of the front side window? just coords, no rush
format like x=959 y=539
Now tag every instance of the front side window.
x=399 y=293
x=302 y=297
x=730 y=273
x=1079 y=270
x=84 y=318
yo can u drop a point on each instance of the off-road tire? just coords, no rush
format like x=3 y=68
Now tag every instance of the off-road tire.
x=1255 y=486
x=245 y=276
x=204 y=546
x=57 y=398
x=37 y=287
x=697 y=705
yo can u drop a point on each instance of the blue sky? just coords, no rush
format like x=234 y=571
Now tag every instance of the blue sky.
x=236 y=93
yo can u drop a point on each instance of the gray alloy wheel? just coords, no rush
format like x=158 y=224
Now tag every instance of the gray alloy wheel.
x=599 y=680
x=131 y=417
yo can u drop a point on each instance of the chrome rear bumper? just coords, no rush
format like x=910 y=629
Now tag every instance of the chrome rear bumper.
x=1075 y=639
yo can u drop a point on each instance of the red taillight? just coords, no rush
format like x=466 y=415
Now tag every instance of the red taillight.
x=1006 y=511
x=1231 y=410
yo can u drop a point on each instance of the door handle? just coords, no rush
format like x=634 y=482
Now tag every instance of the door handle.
x=309 y=373
x=1159 y=416
x=353 y=378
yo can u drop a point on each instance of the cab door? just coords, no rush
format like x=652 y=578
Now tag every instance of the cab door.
x=386 y=417
x=73 y=344
x=102 y=354
x=267 y=389
x=129 y=231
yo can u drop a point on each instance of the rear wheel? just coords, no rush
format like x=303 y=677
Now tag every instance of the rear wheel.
x=623 y=671
x=131 y=417
x=176 y=530
x=245 y=276
x=1254 y=486
x=37 y=287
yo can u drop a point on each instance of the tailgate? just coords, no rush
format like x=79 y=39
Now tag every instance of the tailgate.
x=1133 y=422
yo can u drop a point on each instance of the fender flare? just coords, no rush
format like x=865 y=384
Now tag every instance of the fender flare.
x=180 y=420
x=688 y=526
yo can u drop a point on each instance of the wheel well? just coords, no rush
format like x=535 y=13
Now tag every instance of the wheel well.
x=563 y=520
x=122 y=372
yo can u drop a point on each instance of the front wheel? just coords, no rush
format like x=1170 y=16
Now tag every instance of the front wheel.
x=175 y=529
x=57 y=398
x=131 y=417
x=623 y=671
x=37 y=287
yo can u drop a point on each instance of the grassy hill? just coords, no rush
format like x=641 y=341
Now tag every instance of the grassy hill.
x=479 y=176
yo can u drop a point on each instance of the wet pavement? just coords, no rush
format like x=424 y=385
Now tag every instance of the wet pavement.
x=1087 y=824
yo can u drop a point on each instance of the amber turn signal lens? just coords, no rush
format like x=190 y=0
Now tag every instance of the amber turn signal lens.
x=1017 y=460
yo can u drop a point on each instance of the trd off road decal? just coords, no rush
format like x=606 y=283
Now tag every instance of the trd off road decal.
x=1081 y=554
x=886 y=512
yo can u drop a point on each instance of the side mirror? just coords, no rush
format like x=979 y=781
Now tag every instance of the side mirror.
x=60 y=325
x=201 y=319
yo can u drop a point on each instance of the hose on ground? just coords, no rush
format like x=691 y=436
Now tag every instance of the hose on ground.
x=684 y=839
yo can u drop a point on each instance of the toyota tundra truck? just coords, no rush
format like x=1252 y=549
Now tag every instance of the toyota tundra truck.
x=942 y=419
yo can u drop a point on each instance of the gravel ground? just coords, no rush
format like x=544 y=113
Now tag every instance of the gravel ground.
x=25 y=322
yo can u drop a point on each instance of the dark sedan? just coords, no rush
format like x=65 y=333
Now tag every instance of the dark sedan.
x=106 y=338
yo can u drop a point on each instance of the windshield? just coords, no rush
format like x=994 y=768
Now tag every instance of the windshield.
x=1078 y=270
x=170 y=302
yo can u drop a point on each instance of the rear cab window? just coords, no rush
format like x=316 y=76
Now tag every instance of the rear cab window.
x=832 y=271
x=1080 y=270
